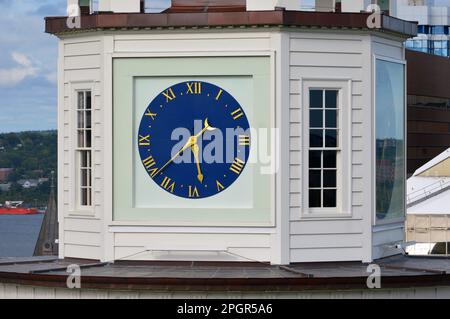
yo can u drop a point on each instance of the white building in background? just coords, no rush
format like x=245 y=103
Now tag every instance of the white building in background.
x=428 y=212
x=433 y=17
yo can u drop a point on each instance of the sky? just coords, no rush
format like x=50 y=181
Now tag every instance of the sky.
x=28 y=63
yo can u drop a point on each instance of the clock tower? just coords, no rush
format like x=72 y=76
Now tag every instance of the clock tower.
x=229 y=130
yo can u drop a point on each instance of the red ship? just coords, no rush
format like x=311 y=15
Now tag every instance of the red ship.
x=15 y=208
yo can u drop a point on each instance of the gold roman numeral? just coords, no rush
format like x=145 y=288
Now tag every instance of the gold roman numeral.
x=219 y=95
x=194 y=88
x=149 y=113
x=168 y=185
x=169 y=95
x=237 y=166
x=220 y=187
x=193 y=192
x=144 y=140
x=244 y=140
x=237 y=114
x=150 y=166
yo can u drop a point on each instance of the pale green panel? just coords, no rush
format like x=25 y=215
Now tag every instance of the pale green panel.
x=248 y=202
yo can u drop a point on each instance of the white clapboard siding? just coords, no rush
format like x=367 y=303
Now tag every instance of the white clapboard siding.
x=82 y=251
x=187 y=44
x=16 y=291
x=249 y=246
x=326 y=254
x=80 y=64
x=319 y=55
x=82 y=238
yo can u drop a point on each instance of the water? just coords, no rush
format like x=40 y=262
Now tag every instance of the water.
x=18 y=234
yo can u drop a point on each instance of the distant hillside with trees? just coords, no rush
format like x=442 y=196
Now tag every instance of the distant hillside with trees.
x=32 y=155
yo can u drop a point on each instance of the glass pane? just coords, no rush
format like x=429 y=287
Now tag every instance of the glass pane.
x=315 y=99
x=88 y=100
x=84 y=159
x=84 y=199
x=88 y=159
x=331 y=138
x=89 y=177
x=83 y=177
x=329 y=159
x=315 y=159
x=331 y=119
x=329 y=178
x=80 y=115
x=316 y=118
x=331 y=99
x=329 y=198
x=80 y=138
x=390 y=140
x=88 y=119
x=315 y=198
x=88 y=138
x=314 y=178
x=80 y=104
x=316 y=138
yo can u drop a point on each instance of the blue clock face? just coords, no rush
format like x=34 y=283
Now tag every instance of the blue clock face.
x=194 y=140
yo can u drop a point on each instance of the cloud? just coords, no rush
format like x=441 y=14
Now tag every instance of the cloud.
x=52 y=77
x=21 y=59
x=13 y=76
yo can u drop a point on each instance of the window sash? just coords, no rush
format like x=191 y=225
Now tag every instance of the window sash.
x=324 y=180
x=84 y=148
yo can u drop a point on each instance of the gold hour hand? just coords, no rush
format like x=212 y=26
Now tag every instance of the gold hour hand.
x=189 y=143
x=195 y=150
x=192 y=141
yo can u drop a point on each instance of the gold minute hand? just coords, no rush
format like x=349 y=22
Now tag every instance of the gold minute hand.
x=192 y=140
x=195 y=150
x=189 y=143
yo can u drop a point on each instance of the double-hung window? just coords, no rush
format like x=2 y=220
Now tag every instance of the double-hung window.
x=84 y=148
x=327 y=139
x=324 y=148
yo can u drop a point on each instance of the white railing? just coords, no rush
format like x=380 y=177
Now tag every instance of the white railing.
x=427 y=191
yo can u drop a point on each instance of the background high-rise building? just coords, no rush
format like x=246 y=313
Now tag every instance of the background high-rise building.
x=434 y=20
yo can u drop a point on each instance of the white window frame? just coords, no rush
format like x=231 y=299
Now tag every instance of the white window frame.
x=394 y=221
x=76 y=208
x=344 y=167
x=84 y=149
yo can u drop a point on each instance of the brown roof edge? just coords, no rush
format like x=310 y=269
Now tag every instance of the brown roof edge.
x=56 y=25
x=224 y=284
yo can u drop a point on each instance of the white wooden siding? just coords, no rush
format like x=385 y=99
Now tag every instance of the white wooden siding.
x=327 y=57
x=81 y=235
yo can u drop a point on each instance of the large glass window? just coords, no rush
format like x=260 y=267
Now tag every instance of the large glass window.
x=390 y=140
x=84 y=147
x=323 y=148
